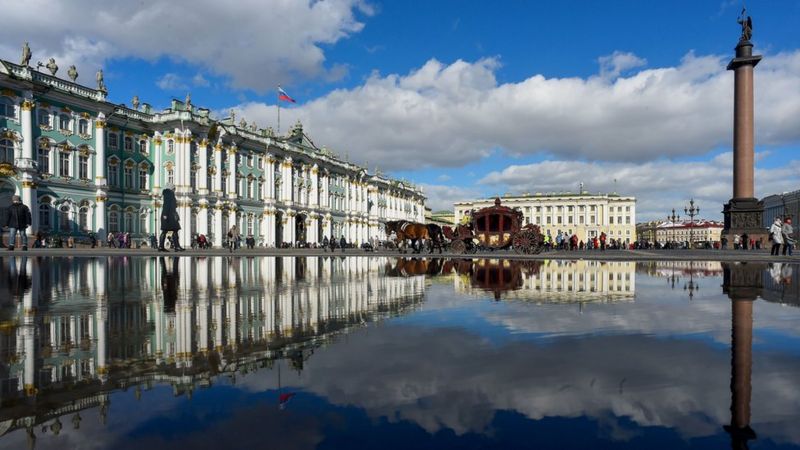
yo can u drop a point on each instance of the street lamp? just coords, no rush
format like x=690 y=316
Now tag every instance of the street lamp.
x=673 y=218
x=691 y=210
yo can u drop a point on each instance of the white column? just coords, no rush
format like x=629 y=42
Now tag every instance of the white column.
x=287 y=219
x=202 y=171
x=101 y=313
x=287 y=181
x=232 y=172
x=100 y=175
x=217 y=181
x=156 y=153
x=202 y=218
x=314 y=186
x=218 y=231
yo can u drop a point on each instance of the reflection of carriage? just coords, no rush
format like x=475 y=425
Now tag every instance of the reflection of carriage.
x=495 y=227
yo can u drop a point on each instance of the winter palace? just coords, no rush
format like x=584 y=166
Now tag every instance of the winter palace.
x=83 y=164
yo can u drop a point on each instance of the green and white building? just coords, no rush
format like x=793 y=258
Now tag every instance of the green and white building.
x=84 y=164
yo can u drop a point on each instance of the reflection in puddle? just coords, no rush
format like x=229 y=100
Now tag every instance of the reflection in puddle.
x=76 y=331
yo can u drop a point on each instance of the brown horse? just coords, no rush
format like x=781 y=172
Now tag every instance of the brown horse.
x=405 y=230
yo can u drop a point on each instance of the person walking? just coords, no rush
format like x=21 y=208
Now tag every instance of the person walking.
x=325 y=244
x=233 y=238
x=18 y=220
x=788 y=240
x=170 y=221
x=776 y=235
x=110 y=240
x=342 y=243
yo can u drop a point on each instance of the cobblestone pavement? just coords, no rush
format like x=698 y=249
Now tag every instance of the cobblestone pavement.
x=615 y=255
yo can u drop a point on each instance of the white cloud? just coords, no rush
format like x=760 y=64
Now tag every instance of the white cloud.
x=200 y=81
x=441 y=197
x=171 y=82
x=449 y=115
x=612 y=66
x=658 y=185
x=256 y=43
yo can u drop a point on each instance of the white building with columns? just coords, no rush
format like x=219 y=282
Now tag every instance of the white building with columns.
x=84 y=164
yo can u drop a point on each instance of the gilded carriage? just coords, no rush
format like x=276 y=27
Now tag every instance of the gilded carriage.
x=493 y=228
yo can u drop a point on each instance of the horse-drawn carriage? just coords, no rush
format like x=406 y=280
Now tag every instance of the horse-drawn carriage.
x=493 y=228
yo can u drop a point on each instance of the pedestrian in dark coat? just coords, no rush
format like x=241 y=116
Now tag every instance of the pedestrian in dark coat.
x=170 y=221
x=19 y=219
x=342 y=243
x=325 y=243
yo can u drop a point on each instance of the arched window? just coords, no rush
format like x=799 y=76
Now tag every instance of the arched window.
x=170 y=177
x=7 y=108
x=129 y=222
x=143 y=222
x=128 y=144
x=83 y=218
x=63 y=219
x=63 y=122
x=249 y=225
x=113 y=172
x=6 y=151
x=128 y=177
x=44 y=213
x=143 y=146
x=83 y=126
x=113 y=221
x=170 y=146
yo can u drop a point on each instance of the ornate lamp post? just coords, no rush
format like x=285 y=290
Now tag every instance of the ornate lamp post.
x=673 y=218
x=691 y=210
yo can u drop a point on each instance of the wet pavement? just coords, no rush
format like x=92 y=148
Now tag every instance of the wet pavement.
x=366 y=352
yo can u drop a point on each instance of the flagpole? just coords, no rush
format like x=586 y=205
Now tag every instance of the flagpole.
x=279 y=111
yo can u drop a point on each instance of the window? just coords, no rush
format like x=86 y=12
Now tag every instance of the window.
x=63 y=164
x=249 y=160
x=260 y=162
x=43 y=116
x=170 y=177
x=128 y=177
x=113 y=175
x=113 y=221
x=83 y=218
x=143 y=222
x=63 y=218
x=44 y=213
x=83 y=126
x=143 y=178
x=7 y=108
x=6 y=151
x=170 y=146
x=591 y=220
x=44 y=160
x=143 y=146
x=250 y=193
x=249 y=225
x=611 y=220
x=628 y=220
x=63 y=122
x=128 y=144
x=129 y=222
x=83 y=167
x=627 y=209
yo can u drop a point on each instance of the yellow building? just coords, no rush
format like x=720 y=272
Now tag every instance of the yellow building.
x=584 y=214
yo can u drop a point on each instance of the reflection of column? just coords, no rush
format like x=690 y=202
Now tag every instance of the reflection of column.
x=102 y=317
x=743 y=284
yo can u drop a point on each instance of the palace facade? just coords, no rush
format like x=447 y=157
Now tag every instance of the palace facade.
x=83 y=164
x=584 y=214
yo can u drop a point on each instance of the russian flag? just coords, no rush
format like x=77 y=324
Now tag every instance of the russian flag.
x=282 y=95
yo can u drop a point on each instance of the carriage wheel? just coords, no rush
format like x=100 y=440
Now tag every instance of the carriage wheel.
x=472 y=248
x=458 y=247
x=525 y=242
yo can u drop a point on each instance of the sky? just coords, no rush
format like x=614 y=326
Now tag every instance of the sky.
x=464 y=98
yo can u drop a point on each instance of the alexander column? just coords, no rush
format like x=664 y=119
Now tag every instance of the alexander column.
x=743 y=212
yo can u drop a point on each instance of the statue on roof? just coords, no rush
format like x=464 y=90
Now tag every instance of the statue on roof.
x=26 y=55
x=188 y=101
x=135 y=102
x=233 y=116
x=101 y=84
x=72 y=73
x=747 y=25
x=52 y=66
x=243 y=124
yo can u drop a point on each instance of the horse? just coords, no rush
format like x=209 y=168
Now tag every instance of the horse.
x=437 y=237
x=403 y=229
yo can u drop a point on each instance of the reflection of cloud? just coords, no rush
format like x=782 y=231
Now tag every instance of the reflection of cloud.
x=449 y=378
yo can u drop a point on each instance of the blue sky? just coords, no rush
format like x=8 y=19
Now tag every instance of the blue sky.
x=466 y=98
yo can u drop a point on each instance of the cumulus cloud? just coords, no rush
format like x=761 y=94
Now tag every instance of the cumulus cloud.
x=256 y=44
x=171 y=82
x=658 y=185
x=443 y=115
x=441 y=197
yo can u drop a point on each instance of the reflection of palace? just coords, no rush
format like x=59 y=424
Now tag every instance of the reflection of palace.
x=548 y=281
x=74 y=329
x=694 y=268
